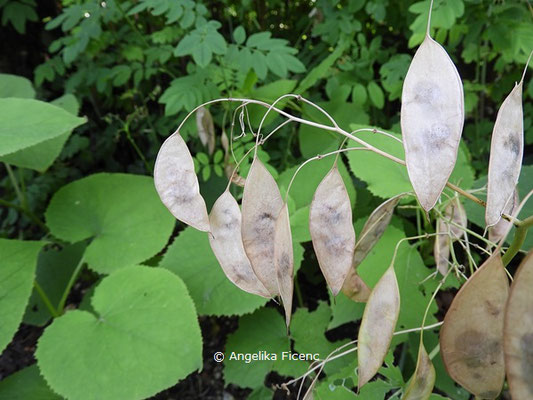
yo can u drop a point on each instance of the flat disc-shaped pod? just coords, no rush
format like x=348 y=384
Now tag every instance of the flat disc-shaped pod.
x=432 y=117
x=423 y=379
x=177 y=184
x=355 y=288
x=471 y=338
x=441 y=248
x=518 y=332
x=284 y=260
x=373 y=229
x=506 y=150
x=377 y=326
x=331 y=228
x=261 y=205
x=226 y=241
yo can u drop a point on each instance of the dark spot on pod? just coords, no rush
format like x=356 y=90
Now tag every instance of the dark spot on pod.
x=266 y=215
x=491 y=308
x=332 y=215
x=477 y=350
x=437 y=136
x=526 y=344
x=426 y=92
x=512 y=143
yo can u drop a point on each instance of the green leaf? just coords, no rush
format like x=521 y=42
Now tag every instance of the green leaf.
x=19 y=260
x=344 y=310
x=26 y=384
x=67 y=102
x=54 y=270
x=410 y=271
x=276 y=63
x=16 y=86
x=376 y=94
x=359 y=95
x=122 y=214
x=27 y=122
x=263 y=331
x=384 y=177
x=191 y=258
x=202 y=55
x=136 y=344
x=304 y=185
x=239 y=34
x=319 y=72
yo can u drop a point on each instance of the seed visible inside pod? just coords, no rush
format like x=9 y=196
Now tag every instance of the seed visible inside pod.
x=471 y=338
x=284 y=260
x=177 y=184
x=377 y=326
x=226 y=243
x=506 y=150
x=497 y=231
x=261 y=205
x=518 y=332
x=441 y=249
x=422 y=382
x=331 y=228
x=355 y=288
x=373 y=229
x=432 y=117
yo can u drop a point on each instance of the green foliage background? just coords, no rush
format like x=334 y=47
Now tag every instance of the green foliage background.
x=102 y=83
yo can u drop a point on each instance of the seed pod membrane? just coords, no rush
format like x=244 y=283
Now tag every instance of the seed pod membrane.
x=355 y=288
x=423 y=379
x=432 y=117
x=226 y=243
x=373 y=229
x=177 y=184
x=206 y=129
x=331 y=228
x=261 y=205
x=377 y=326
x=284 y=260
x=518 y=332
x=441 y=249
x=506 y=150
x=471 y=338
x=456 y=213
x=497 y=231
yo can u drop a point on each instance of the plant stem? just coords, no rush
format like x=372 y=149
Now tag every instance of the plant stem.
x=518 y=240
x=132 y=25
x=15 y=184
x=61 y=305
x=26 y=212
x=45 y=299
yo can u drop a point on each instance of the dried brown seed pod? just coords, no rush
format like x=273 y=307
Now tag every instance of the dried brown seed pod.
x=497 y=231
x=355 y=288
x=284 y=260
x=471 y=338
x=206 y=128
x=331 y=228
x=423 y=379
x=226 y=243
x=506 y=151
x=432 y=117
x=261 y=205
x=377 y=326
x=518 y=332
x=441 y=248
x=177 y=184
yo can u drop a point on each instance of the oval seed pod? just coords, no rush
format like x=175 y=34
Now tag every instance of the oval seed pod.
x=331 y=228
x=423 y=379
x=432 y=117
x=441 y=249
x=518 y=332
x=284 y=260
x=261 y=205
x=506 y=150
x=177 y=184
x=377 y=326
x=471 y=338
x=226 y=243
x=206 y=129
x=373 y=229
x=355 y=288
x=497 y=231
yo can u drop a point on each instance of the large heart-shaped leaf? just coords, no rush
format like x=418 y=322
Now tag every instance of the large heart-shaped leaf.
x=27 y=122
x=121 y=212
x=144 y=338
x=26 y=384
x=17 y=270
x=16 y=86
